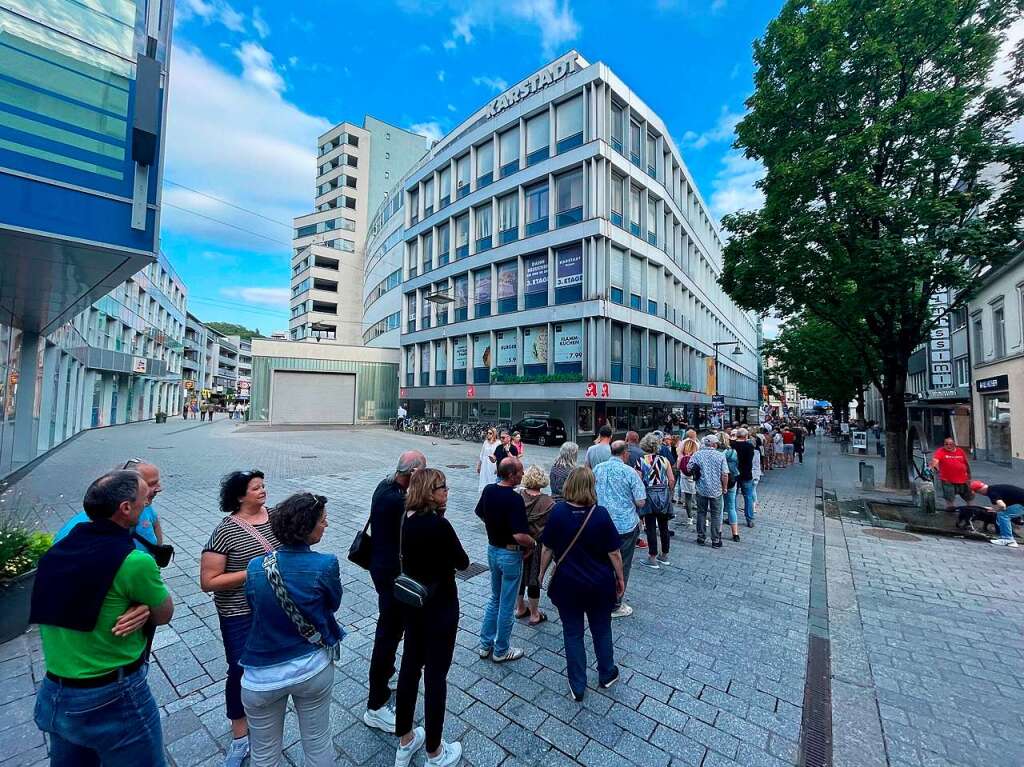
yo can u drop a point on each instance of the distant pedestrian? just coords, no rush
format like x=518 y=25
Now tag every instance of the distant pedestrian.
x=633 y=447
x=685 y=486
x=600 y=451
x=954 y=472
x=486 y=465
x=294 y=640
x=244 y=534
x=505 y=449
x=711 y=485
x=729 y=498
x=746 y=457
x=581 y=541
x=387 y=508
x=508 y=535
x=517 y=443
x=621 y=491
x=568 y=454
x=788 y=445
x=799 y=441
x=1008 y=504
x=538 y=506
x=93 y=595
x=659 y=482
x=431 y=553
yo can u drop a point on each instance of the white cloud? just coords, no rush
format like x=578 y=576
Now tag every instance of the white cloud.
x=724 y=130
x=717 y=5
x=230 y=138
x=733 y=186
x=275 y=298
x=423 y=48
x=431 y=129
x=211 y=12
x=552 y=19
x=440 y=75
x=258 y=67
x=451 y=108
x=259 y=23
x=496 y=84
x=293 y=61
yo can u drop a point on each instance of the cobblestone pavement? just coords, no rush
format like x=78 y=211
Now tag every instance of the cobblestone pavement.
x=713 y=660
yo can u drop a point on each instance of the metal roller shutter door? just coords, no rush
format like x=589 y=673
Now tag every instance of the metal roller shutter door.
x=313 y=398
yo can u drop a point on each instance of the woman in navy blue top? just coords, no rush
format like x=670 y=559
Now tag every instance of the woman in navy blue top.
x=586 y=578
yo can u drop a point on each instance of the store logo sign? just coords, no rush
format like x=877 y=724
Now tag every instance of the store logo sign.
x=544 y=78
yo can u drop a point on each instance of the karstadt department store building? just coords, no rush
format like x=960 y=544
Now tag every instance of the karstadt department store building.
x=552 y=256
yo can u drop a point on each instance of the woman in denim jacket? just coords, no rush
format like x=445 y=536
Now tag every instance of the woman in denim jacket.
x=278 y=660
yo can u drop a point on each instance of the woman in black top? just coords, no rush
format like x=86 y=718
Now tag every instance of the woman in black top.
x=431 y=553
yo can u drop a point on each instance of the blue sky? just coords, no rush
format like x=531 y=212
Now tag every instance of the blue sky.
x=252 y=85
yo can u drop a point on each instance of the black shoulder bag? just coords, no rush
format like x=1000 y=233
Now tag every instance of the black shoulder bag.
x=360 y=552
x=408 y=590
x=163 y=553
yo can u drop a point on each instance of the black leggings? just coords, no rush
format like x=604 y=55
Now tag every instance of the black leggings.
x=428 y=649
x=655 y=524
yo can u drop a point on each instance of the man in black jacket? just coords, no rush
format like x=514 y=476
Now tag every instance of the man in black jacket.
x=386 y=510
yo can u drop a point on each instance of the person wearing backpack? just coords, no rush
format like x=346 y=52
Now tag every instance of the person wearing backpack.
x=659 y=481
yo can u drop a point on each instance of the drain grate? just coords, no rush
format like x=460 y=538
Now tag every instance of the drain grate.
x=456 y=466
x=817 y=719
x=474 y=569
x=309 y=456
x=891 y=535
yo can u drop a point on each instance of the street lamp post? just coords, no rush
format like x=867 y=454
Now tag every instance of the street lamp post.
x=736 y=352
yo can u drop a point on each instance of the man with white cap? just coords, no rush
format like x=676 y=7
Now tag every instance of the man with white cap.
x=710 y=472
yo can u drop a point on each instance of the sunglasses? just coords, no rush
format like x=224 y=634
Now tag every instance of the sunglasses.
x=131 y=462
x=319 y=501
x=440 y=487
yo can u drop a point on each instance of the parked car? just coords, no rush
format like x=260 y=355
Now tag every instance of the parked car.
x=543 y=431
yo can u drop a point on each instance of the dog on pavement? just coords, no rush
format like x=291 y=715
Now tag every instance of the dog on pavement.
x=968 y=515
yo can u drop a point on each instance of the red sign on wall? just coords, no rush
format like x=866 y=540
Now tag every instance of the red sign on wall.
x=401 y=393
x=597 y=390
x=470 y=391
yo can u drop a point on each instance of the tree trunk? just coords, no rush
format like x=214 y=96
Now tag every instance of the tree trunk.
x=860 y=405
x=897 y=464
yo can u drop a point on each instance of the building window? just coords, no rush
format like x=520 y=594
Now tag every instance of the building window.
x=634 y=211
x=484 y=240
x=460 y=347
x=410 y=366
x=634 y=143
x=652 y=220
x=441 y=363
x=462 y=177
x=352 y=140
x=443 y=244
x=461 y=298
x=508 y=218
x=414 y=207
x=482 y=358
x=569 y=124
x=618 y=118
x=536 y=208
x=537 y=139
x=428 y=197
x=999 y=329
x=569 y=198
x=616 y=278
x=569 y=274
x=414 y=258
x=652 y=360
x=410 y=312
x=616 y=201
x=652 y=154
x=444 y=186
x=963 y=371
x=508 y=149
x=979 y=337
x=462 y=236
x=428 y=252
x=616 y=352
x=485 y=164
x=536 y=288
x=636 y=340
x=482 y=292
x=441 y=309
x=425 y=364
x=424 y=310
x=508 y=286
x=636 y=271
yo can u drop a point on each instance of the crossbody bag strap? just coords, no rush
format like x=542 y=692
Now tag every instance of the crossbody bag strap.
x=284 y=599
x=260 y=537
x=572 y=542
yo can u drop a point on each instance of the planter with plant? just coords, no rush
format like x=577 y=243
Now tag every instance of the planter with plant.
x=161 y=417
x=20 y=550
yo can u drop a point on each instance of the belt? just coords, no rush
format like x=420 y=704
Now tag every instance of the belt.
x=99 y=681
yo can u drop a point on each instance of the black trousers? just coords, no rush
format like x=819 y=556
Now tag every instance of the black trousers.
x=655 y=524
x=429 y=646
x=385 y=641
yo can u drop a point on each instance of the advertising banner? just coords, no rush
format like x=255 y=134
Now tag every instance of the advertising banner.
x=138 y=364
x=569 y=342
x=537 y=274
x=460 y=350
x=569 y=267
x=535 y=345
x=508 y=348
x=483 y=287
x=482 y=350
x=461 y=292
x=508 y=276
x=424 y=358
x=712 y=374
x=441 y=357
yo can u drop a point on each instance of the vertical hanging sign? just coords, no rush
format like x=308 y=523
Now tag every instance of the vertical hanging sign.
x=940 y=353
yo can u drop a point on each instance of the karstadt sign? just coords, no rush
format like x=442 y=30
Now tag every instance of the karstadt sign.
x=543 y=78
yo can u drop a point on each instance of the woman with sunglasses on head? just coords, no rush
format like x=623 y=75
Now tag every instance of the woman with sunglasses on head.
x=294 y=640
x=244 y=534
x=486 y=463
x=430 y=554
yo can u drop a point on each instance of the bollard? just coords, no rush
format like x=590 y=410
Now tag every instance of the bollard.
x=867 y=476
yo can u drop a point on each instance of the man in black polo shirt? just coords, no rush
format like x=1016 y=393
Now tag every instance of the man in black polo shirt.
x=504 y=514
x=746 y=454
x=386 y=511
x=506 y=449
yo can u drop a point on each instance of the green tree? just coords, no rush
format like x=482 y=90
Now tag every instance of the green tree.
x=820 y=361
x=231 y=329
x=890 y=173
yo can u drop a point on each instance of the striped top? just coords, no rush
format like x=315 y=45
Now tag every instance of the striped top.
x=239 y=546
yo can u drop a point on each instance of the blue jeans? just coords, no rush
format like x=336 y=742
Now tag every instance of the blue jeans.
x=1003 y=519
x=117 y=725
x=749 y=490
x=600 y=620
x=506 y=570
x=234 y=630
x=730 y=504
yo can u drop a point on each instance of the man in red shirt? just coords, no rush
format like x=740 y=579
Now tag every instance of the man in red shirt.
x=954 y=472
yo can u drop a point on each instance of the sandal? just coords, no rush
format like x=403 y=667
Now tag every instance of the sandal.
x=523 y=614
x=543 y=617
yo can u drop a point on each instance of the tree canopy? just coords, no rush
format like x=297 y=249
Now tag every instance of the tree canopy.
x=231 y=329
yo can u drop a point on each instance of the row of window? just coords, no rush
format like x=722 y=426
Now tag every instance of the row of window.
x=343 y=138
x=390 y=282
x=345 y=159
x=334 y=183
x=996 y=311
x=391 y=322
x=329 y=225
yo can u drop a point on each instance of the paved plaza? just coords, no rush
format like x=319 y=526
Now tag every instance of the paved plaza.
x=926 y=646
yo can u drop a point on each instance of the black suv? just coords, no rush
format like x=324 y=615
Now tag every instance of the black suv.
x=543 y=431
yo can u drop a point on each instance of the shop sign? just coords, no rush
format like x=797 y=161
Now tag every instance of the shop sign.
x=243 y=385
x=138 y=364
x=535 y=345
x=859 y=440
x=569 y=267
x=190 y=384
x=718 y=403
x=995 y=383
x=599 y=390
x=538 y=82
x=940 y=353
x=537 y=274
x=942 y=394
x=569 y=342
x=401 y=393
x=470 y=391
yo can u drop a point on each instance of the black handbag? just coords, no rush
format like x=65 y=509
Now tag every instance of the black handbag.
x=163 y=553
x=407 y=590
x=360 y=552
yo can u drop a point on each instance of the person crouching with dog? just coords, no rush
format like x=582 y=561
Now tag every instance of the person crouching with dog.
x=1007 y=503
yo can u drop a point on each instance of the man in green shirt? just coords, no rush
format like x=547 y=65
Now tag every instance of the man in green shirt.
x=93 y=594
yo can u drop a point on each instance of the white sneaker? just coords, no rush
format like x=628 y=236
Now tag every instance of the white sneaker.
x=623 y=611
x=450 y=753
x=383 y=719
x=663 y=559
x=405 y=753
x=1011 y=542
